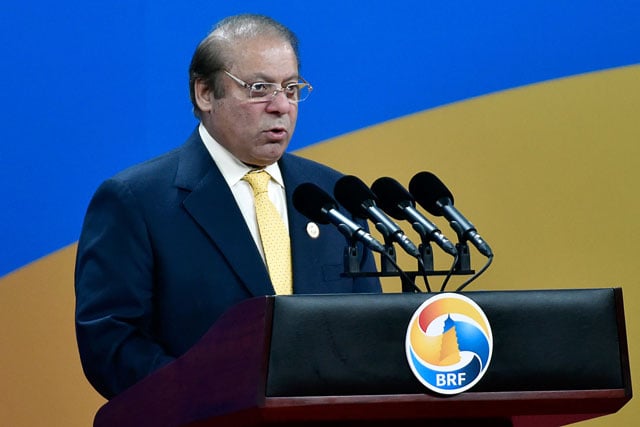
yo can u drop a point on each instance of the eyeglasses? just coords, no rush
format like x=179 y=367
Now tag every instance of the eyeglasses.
x=264 y=91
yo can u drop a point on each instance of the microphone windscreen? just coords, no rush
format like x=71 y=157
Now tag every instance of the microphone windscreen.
x=391 y=195
x=310 y=200
x=351 y=192
x=428 y=190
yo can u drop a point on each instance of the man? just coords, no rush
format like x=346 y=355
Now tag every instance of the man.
x=168 y=245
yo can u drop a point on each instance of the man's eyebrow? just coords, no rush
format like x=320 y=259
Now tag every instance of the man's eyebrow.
x=268 y=79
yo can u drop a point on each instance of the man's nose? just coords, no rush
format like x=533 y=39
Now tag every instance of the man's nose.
x=279 y=102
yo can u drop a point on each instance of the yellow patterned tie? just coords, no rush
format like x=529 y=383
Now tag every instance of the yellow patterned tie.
x=273 y=233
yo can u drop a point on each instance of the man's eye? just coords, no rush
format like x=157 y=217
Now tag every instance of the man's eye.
x=260 y=89
x=291 y=90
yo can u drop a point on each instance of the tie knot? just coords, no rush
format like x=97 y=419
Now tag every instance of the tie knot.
x=258 y=180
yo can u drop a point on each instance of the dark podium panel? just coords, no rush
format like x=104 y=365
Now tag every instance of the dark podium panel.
x=559 y=356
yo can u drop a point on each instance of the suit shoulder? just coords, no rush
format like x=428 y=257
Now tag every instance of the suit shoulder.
x=313 y=171
x=149 y=168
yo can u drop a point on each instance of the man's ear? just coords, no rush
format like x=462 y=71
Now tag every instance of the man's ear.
x=204 y=95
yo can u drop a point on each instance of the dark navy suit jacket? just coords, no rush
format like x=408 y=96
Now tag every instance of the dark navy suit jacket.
x=164 y=251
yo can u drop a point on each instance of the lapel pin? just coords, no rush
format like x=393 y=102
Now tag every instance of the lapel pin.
x=312 y=230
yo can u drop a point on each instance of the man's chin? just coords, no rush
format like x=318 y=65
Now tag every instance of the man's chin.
x=270 y=153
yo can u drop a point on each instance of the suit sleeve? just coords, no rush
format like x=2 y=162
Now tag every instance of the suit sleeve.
x=114 y=282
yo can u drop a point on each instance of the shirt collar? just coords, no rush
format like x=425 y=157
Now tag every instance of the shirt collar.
x=231 y=168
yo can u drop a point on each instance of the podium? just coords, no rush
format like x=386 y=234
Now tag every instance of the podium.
x=559 y=356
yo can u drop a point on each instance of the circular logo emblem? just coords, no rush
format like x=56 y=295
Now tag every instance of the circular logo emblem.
x=449 y=343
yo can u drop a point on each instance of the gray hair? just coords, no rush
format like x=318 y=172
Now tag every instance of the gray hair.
x=213 y=53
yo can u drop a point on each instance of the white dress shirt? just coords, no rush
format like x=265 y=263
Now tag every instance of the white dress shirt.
x=233 y=170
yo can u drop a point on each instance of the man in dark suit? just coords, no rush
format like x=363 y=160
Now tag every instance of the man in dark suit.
x=168 y=245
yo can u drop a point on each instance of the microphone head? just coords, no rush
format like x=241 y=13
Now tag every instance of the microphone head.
x=352 y=193
x=392 y=195
x=430 y=192
x=312 y=201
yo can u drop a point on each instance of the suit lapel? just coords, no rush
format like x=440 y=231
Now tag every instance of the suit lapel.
x=303 y=275
x=213 y=207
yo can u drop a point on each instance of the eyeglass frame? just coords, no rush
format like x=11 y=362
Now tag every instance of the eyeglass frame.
x=301 y=83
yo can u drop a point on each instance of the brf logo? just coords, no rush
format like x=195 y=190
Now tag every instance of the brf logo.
x=449 y=343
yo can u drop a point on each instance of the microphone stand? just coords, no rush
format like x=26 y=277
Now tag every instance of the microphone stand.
x=388 y=259
x=351 y=258
x=389 y=266
x=464 y=257
x=426 y=254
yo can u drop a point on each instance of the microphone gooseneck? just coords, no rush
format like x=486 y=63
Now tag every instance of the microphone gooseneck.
x=400 y=204
x=434 y=196
x=314 y=203
x=354 y=195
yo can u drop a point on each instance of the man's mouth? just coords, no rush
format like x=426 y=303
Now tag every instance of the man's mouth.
x=276 y=133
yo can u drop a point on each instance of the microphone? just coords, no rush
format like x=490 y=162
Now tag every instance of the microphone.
x=400 y=204
x=314 y=203
x=434 y=196
x=354 y=195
